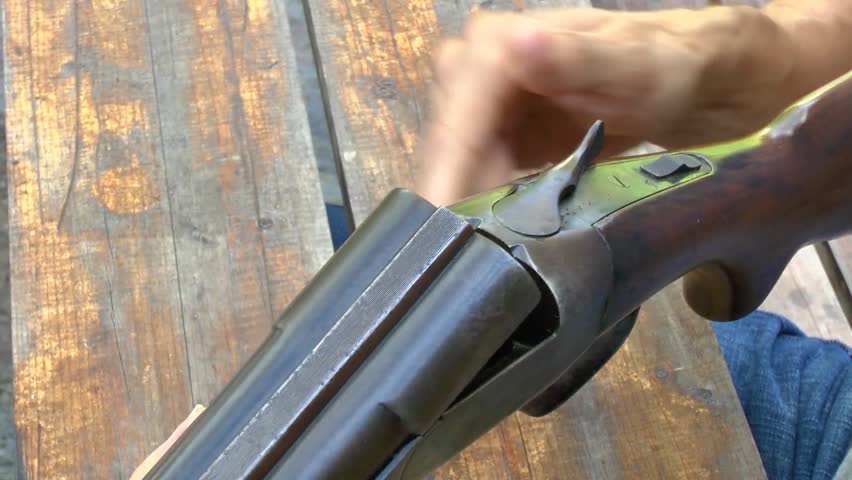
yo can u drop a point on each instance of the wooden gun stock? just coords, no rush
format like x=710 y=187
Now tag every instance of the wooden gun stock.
x=736 y=229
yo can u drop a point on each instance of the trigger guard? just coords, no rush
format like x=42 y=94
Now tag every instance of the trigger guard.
x=583 y=369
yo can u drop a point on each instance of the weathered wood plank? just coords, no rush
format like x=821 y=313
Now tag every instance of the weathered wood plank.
x=804 y=295
x=249 y=224
x=841 y=250
x=163 y=209
x=80 y=162
x=663 y=407
x=375 y=58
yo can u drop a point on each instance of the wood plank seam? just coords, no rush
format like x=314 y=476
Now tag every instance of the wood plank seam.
x=72 y=182
x=245 y=151
x=831 y=264
x=108 y=291
x=524 y=444
x=327 y=114
x=841 y=248
x=111 y=293
x=169 y=203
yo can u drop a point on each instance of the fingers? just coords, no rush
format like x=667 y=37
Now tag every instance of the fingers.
x=554 y=63
x=448 y=58
x=566 y=52
x=471 y=102
x=161 y=450
x=489 y=85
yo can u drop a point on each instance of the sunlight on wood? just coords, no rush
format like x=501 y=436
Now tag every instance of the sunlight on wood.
x=58 y=356
x=118 y=40
x=126 y=190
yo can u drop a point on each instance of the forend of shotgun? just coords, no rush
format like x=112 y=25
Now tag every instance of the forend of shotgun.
x=430 y=325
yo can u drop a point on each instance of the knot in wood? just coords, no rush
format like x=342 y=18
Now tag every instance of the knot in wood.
x=385 y=88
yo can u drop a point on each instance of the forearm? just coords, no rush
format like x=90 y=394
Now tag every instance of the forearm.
x=822 y=33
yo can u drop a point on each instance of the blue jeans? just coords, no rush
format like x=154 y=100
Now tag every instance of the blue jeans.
x=796 y=392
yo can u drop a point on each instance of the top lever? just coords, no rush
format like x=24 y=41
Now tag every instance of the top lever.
x=534 y=210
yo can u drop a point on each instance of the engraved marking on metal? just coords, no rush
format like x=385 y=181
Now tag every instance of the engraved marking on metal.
x=618 y=181
x=371 y=312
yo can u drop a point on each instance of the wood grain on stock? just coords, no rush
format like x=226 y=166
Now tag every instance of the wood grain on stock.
x=663 y=407
x=803 y=292
x=751 y=216
x=164 y=208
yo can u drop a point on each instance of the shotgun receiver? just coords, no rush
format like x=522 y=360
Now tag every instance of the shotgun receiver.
x=430 y=325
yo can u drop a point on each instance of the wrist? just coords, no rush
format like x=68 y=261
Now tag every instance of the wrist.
x=819 y=38
x=747 y=65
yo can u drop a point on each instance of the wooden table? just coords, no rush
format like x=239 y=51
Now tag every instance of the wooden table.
x=165 y=208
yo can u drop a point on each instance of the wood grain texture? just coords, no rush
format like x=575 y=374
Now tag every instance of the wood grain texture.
x=664 y=407
x=804 y=294
x=841 y=250
x=163 y=210
x=742 y=217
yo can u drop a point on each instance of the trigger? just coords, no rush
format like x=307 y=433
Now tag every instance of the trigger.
x=582 y=370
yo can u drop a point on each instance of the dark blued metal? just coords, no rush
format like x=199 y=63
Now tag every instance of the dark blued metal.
x=332 y=292
x=579 y=278
x=533 y=209
x=574 y=269
x=574 y=266
x=412 y=378
x=300 y=397
x=583 y=369
x=418 y=337
x=670 y=164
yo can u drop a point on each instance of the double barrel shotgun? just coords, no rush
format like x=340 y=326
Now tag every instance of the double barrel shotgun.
x=430 y=325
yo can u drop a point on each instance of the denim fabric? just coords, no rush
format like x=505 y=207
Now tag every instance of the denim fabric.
x=796 y=392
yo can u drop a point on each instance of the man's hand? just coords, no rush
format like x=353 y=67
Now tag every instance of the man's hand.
x=519 y=90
